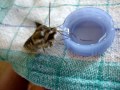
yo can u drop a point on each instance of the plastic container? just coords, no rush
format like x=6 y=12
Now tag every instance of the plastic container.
x=88 y=31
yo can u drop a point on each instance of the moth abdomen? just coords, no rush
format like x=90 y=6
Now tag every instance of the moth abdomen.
x=29 y=44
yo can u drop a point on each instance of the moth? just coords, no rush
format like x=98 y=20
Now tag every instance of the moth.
x=42 y=38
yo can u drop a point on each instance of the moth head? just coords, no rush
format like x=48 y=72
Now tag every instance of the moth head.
x=52 y=33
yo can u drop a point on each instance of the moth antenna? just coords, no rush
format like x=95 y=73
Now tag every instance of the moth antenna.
x=67 y=37
x=49 y=12
x=64 y=34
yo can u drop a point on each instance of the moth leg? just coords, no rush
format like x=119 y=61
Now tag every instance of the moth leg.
x=43 y=49
x=50 y=44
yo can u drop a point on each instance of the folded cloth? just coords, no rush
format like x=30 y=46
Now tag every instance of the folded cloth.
x=58 y=68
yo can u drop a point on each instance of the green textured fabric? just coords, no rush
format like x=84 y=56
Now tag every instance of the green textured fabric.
x=60 y=69
x=60 y=73
x=5 y=6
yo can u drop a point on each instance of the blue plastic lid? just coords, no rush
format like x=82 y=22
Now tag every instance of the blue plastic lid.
x=89 y=31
